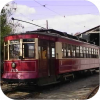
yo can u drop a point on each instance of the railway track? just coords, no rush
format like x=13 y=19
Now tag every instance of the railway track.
x=93 y=92
x=19 y=92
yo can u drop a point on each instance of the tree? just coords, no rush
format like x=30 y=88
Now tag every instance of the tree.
x=6 y=24
x=5 y=29
x=10 y=10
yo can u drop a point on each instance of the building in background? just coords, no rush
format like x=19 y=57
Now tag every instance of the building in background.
x=92 y=35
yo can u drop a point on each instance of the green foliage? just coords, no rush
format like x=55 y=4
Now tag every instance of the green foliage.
x=5 y=29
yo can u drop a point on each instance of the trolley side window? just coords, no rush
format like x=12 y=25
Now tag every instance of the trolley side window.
x=77 y=51
x=81 y=52
x=52 y=50
x=73 y=51
x=68 y=50
x=64 y=47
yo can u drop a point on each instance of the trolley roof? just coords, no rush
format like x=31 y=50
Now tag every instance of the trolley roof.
x=54 y=33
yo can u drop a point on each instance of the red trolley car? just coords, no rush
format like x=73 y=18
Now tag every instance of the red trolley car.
x=46 y=56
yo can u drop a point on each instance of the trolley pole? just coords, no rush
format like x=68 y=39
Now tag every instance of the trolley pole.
x=27 y=22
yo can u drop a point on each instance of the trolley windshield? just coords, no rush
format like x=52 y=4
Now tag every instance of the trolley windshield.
x=16 y=48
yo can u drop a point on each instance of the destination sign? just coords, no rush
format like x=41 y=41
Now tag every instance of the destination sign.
x=14 y=42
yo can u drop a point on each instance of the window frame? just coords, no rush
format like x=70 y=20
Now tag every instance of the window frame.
x=29 y=42
x=9 y=44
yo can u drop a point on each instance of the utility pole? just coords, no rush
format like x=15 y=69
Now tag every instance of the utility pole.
x=46 y=24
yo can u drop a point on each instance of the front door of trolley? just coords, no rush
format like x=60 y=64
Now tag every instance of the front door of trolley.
x=46 y=51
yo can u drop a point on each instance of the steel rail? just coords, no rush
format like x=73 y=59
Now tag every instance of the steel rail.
x=93 y=92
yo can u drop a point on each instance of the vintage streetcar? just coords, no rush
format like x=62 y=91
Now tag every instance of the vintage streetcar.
x=47 y=56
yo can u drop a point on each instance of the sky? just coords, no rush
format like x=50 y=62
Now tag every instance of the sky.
x=69 y=16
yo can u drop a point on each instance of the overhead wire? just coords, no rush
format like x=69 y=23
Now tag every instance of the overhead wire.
x=69 y=5
x=48 y=8
x=28 y=17
x=53 y=11
x=45 y=6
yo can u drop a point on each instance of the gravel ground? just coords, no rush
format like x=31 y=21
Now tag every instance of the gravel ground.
x=77 y=89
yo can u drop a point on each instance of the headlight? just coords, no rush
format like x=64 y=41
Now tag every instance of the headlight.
x=13 y=65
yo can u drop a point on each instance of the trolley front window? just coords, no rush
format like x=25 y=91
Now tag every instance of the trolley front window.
x=14 y=49
x=28 y=48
